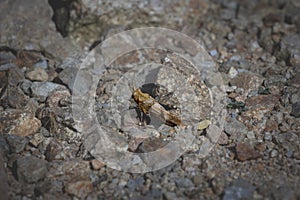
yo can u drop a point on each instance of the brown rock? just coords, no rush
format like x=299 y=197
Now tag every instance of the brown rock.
x=96 y=164
x=247 y=81
x=295 y=81
x=261 y=147
x=271 y=125
x=79 y=188
x=53 y=150
x=18 y=122
x=258 y=106
x=223 y=139
x=246 y=152
x=151 y=144
x=134 y=143
x=55 y=97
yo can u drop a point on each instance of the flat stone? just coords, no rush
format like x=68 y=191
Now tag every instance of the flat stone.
x=246 y=152
x=18 y=122
x=41 y=90
x=79 y=188
x=38 y=74
x=30 y=169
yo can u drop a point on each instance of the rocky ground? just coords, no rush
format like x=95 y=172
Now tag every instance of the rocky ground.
x=256 y=48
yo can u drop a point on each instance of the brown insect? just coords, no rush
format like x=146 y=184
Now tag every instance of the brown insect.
x=147 y=104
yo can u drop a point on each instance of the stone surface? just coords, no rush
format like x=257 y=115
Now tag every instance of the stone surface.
x=184 y=183
x=41 y=90
x=4 y=188
x=296 y=110
x=246 y=152
x=247 y=81
x=20 y=30
x=203 y=124
x=258 y=106
x=79 y=188
x=68 y=76
x=19 y=122
x=96 y=164
x=240 y=189
x=38 y=74
x=30 y=169
x=16 y=143
x=255 y=47
x=151 y=144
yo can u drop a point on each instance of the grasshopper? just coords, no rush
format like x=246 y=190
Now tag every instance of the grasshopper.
x=147 y=104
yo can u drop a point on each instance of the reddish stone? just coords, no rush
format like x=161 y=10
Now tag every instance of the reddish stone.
x=96 y=164
x=246 y=152
x=247 y=81
x=79 y=188
x=19 y=122
x=271 y=125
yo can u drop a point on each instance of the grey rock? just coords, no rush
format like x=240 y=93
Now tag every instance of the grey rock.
x=20 y=29
x=44 y=132
x=296 y=110
x=236 y=130
x=133 y=184
x=290 y=46
x=25 y=86
x=30 y=169
x=184 y=183
x=16 y=143
x=41 y=90
x=41 y=64
x=240 y=189
x=67 y=76
x=3 y=174
x=154 y=194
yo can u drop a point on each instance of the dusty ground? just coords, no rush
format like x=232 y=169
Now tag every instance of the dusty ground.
x=255 y=46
